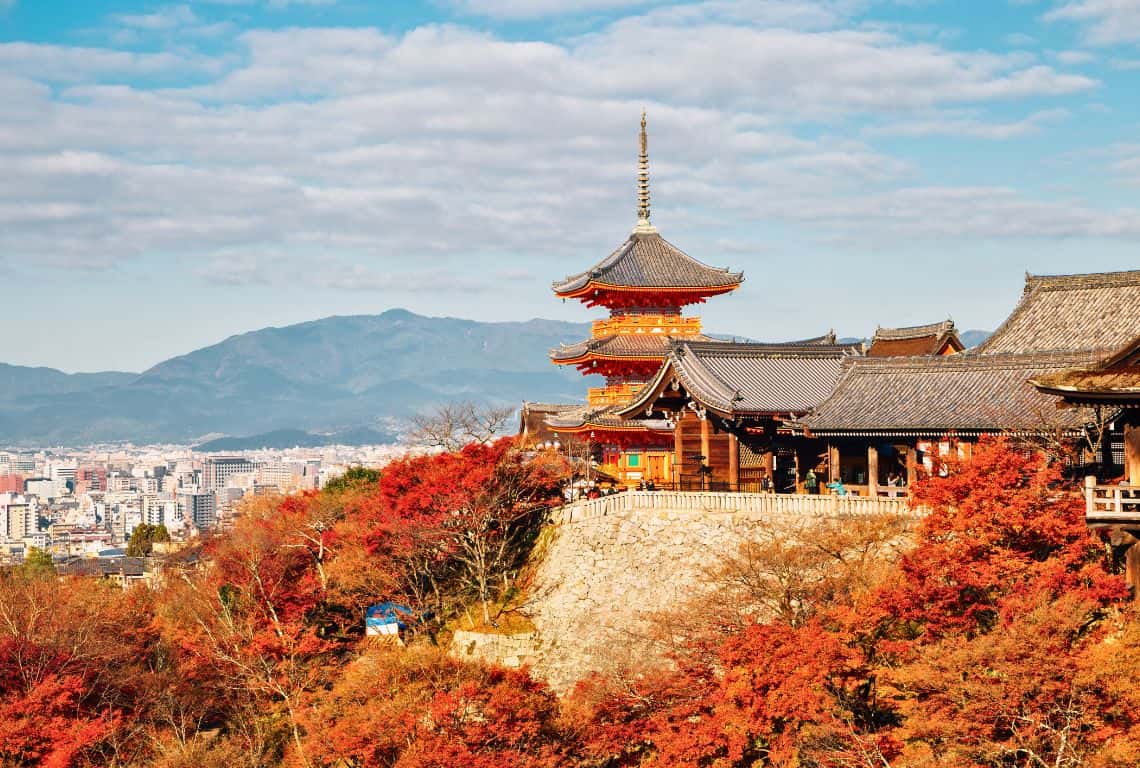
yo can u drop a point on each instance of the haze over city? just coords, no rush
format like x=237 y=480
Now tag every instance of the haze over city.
x=180 y=172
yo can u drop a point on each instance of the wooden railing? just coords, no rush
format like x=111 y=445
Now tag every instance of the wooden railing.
x=1111 y=503
x=616 y=394
x=760 y=504
x=628 y=325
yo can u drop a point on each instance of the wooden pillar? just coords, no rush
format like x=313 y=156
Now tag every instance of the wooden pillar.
x=705 y=451
x=911 y=468
x=1132 y=453
x=678 y=451
x=872 y=471
x=832 y=463
x=733 y=463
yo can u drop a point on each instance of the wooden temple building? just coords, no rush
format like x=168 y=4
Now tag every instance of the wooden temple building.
x=685 y=411
x=906 y=412
x=936 y=339
x=645 y=284
x=728 y=404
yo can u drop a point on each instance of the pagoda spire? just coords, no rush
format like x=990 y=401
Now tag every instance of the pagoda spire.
x=643 y=224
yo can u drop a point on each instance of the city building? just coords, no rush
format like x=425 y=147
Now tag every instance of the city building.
x=199 y=508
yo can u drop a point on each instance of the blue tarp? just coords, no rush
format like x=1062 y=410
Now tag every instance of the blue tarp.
x=388 y=613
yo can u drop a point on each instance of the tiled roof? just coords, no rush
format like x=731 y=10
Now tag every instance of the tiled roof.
x=1099 y=311
x=648 y=260
x=585 y=416
x=914 y=340
x=933 y=395
x=1116 y=379
x=751 y=378
x=913 y=331
x=629 y=345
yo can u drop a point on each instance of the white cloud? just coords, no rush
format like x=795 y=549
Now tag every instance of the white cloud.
x=971 y=127
x=1075 y=57
x=166 y=18
x=532 y=9
x=382 y=151
x=1106 y=22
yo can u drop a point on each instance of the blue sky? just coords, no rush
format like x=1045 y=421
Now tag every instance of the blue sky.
x=179 y=172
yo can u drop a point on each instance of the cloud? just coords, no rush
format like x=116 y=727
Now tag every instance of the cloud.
x=533 y=9
x=72 y=64
x=1105 y=22
x=398 y=155
x=1074 y=57
x=238 y=269
x=925 y=213
x=357 y=277
x=163 y=19
x=972 y=128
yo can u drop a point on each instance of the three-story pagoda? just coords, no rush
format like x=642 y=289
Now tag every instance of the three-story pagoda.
x=644 y=284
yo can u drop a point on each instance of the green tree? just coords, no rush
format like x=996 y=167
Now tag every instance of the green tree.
x=144 y=537
x=357 y=478
x=37 y=563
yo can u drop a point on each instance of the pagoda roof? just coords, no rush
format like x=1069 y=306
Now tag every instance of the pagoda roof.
x=1115 y=380
x=930 y=339
x=966 y=393
x=606 y=419
x=750 y=378
x=647 y=260
x=638 y=346
x=1096 y=311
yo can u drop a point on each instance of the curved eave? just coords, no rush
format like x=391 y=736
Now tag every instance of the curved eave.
x=933 y=433
x=591 y=356
x=1078 y=395
x=586 y=291
x=589 y=426
x=650 y=392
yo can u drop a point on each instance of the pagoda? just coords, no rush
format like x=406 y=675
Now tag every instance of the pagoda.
x=644 y=284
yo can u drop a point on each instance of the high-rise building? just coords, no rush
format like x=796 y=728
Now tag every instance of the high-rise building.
x=199 y=507
x=17 y=520
x=90 y=479
x=218 y=470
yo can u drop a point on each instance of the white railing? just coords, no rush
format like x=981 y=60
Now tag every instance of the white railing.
x=749 y=503
x=1111 y=503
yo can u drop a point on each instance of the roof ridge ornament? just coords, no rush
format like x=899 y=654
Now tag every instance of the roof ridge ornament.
x=643 y=225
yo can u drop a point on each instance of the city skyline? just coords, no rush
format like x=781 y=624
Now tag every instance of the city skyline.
x=180 y=173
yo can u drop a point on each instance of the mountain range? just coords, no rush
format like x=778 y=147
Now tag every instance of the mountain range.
x=349 y=378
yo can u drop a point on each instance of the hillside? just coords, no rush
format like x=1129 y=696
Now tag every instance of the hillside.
x=18 y=381
x=326 y=375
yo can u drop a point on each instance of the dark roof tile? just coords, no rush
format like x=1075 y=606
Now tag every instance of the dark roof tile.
x=933 y=395
x=1098 y=312
x=649 y=260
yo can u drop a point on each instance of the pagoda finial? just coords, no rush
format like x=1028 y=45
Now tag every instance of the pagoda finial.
x=643 y=224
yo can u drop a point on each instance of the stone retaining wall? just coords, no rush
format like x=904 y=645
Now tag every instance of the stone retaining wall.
x=610 y=566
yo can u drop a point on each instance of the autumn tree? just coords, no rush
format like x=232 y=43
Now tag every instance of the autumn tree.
x=453 y=525
x=420 y=708
x=144 y=537
x=254 y=617
x=76 y=671
x=454 y=425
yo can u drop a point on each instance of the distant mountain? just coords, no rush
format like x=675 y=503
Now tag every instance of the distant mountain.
x=18 y=381
x=295 y=438
x=323 y=376
x=974 y=338
x=313 y=381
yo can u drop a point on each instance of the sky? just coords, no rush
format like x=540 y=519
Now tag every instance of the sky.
x=175 y=173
